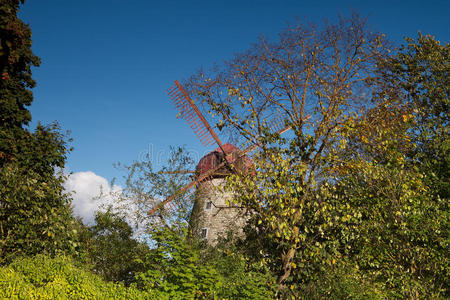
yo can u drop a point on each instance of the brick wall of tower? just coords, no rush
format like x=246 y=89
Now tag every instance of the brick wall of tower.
x=218 y=217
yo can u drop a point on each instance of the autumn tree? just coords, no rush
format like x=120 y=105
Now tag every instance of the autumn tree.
x=317 y=78
x=398 y=181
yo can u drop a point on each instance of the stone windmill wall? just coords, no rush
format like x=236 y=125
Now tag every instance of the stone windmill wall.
x=214 y=213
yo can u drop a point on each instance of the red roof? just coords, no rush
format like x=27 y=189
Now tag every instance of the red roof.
x=216 y=157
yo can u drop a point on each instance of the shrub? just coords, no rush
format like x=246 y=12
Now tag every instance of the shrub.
x=42 y=277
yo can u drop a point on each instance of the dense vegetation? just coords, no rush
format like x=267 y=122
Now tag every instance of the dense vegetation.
x=353 y=203
x=41 y=277
x=35 y=215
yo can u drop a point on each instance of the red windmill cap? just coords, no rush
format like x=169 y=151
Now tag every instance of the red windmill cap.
x=216 y=157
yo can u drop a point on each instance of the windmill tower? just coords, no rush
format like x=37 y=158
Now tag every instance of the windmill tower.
x=214 y=212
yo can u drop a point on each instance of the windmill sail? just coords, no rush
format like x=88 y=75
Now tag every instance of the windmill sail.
x=190 y=112
x=276 y=124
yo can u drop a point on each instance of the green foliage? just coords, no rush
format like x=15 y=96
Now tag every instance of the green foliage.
x=402 y=234
x=173 y=269
x=402 y=240
x=41 y=277
x=327 y=237
x=241 y=278
x=16 y=60
x=420 y=74
x=110 y=249
x=340 y=281
x=34 y=211
x=398 y=181
x=179 y=269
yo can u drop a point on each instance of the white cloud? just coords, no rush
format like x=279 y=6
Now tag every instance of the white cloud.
x=85 y=189
x=85 y=186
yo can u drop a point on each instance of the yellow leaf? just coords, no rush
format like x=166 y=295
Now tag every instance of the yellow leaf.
x=364 y=139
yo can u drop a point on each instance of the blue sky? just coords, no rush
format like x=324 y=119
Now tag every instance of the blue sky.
x=106 y=64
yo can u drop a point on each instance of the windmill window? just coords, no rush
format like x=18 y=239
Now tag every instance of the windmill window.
x=208 y=205
x=204 y=233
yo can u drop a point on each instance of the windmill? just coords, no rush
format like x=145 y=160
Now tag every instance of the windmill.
x=212 y=214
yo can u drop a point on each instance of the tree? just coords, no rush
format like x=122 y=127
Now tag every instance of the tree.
x=419 y=75
x=318 y=78
x=178 y=268
x=146 y=187
x=173 y=268
x=34 y=210
x=16 y=60
x=110 y=248
x=399 y=180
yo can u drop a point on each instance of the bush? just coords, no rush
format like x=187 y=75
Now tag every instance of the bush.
x=41 y=277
